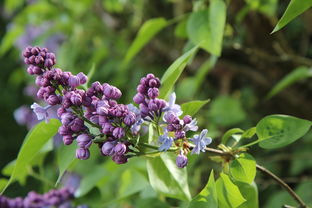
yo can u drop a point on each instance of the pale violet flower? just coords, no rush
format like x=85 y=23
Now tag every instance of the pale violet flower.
x=172 y=107
x=41 y=112
x=191 y=126
x=135 y=128
x=165 y=141
x=200 y=141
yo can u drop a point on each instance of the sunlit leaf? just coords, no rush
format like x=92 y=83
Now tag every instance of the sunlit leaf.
x=295 y=8
x=165 y=177
x=243 y=168
x=298 y=74
x=174 y=71
x=207 y=198
x=280 y=130
x=34 y=141
x=192 y=107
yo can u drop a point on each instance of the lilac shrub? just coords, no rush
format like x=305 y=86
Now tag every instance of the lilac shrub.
x=117 y=125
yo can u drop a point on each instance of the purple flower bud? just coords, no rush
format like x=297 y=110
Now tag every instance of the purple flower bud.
x=35 y=50
x=3 y=202
x=82 y=78
x=154 y=83
x=153 y=93
x=82 y=154
x=97 y=87
x=34 y=200
x=120 y=159
x=179 y=134
x=119 y=132
x=139 y=98
x=141 y=89
x=53 y=100
x=77 y=125
x=37 y=70
x=63 y=130
x=111 y=92
x=15 y=203
x=68 y=139
x=170 y=117
x=108 y=148
x=152 y=106
x=48 y=63
x=130 y=119
x=181 y=161
x=94 y=119
x=76 y=99
x=107 y=128
x=150 y=76
x=102 y=111
x=187 y=119
x=30 y=70
x=84 y=141
x=73 y=81
x=61 y=111
x=102 y=120
x=120 y=149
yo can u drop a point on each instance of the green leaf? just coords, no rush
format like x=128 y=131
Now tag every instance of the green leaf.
x=229 y=133
x=298 y=74
x=131 y=182
x=206 y=27
x=10 y=37
x=280 y=130
x=250 y=193
x=174 y=71
x=229 y=195
x=249 y=133
x=148 y=30
x=243 y=168
x=226 y=111
x=34 y=141
x=207 y=197
x=166 y=178
x=192 y=107
x=65 y=158
x=295 y=8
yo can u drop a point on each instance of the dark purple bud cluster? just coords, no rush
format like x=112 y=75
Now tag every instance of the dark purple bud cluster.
x=179 y=126
x=146 y=97
x=117 y=150
x=53 y=198
x=38 y=59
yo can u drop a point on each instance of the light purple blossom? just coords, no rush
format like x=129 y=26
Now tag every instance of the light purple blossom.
x=41 y=112
x=165 y=140
x=172 y=107
x=192 y=126
x=200 y=141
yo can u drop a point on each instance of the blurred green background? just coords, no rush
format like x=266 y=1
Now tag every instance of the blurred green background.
x=99 y=32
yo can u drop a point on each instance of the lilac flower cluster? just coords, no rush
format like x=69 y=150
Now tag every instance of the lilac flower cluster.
x=146 y=97
x=54 y=198
x=117 y=124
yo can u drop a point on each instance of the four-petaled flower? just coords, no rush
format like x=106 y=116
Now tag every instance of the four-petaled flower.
x=200 y=141
x=172 y=107
x=41 y=112
x=165 y=141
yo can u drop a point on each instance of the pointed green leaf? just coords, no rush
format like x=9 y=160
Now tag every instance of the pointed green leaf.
x=34 y=141
x=250 y=193
x=174 y=71
x=206 y=27
x=192 y=107
x=227 y=135
x=298 y=74
x=207 y=198
x=249 y=133
x=166 y=178
x=295 y=8
x=66 y=156
x=243 y=168
x=280 y=130
x=229 y=195
x=148 y=30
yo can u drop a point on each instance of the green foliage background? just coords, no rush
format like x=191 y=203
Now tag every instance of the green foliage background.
x=246 y=72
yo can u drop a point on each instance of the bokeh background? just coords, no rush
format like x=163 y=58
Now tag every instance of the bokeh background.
x=98 y=33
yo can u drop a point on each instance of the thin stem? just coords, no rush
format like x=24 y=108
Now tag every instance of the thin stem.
x=156 y=147
x=268 y=173
x=283 y=184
